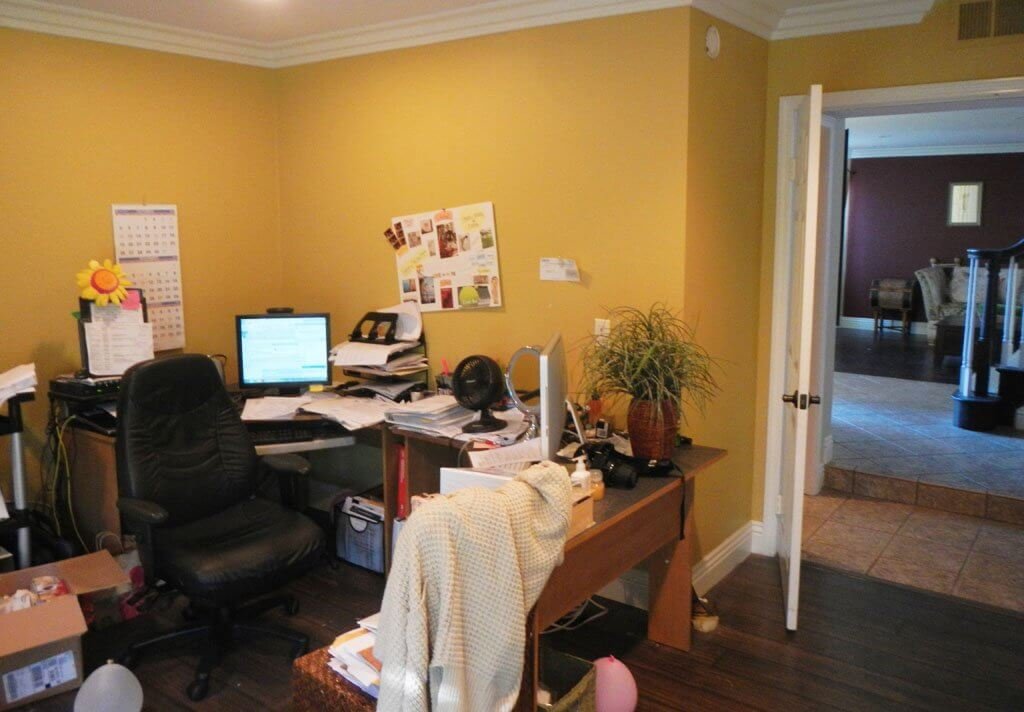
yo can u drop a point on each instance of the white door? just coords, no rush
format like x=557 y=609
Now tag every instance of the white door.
x=800 y=417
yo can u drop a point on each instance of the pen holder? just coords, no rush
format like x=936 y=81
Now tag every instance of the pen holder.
x=444 y=384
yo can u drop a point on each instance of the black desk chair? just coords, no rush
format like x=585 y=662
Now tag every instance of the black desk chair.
x=188 y=478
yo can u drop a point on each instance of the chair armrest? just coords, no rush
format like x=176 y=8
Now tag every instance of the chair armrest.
x=142 y=511
x=292 y=477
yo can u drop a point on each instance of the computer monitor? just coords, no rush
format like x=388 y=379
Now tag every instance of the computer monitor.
x=552 y=396
x=283 y=351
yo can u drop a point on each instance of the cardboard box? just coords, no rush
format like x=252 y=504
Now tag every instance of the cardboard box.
x=41 y=646
x=454 y=478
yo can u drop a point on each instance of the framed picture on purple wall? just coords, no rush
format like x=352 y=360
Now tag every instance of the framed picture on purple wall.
x=964 y=204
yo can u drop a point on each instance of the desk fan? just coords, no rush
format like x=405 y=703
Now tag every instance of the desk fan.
x=477 y=382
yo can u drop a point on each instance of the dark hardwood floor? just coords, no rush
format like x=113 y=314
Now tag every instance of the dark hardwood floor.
x=891 y=354
x=862 y=645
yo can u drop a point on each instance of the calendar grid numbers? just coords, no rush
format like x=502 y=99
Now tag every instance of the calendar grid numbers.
x=147 y=245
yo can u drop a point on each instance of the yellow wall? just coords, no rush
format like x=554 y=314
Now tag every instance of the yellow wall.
x=576 y=132
x=723 y=236
x=916 y=54
x=85 y=125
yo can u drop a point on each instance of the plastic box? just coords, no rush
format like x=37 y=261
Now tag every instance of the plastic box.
x=360 y=534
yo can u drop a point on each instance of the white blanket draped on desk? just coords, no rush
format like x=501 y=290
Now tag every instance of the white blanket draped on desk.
x=467 y=570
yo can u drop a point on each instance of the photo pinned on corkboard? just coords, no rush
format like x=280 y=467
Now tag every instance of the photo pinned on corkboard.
x=450 y=254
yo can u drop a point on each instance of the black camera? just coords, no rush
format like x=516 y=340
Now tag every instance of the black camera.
x=618 y=469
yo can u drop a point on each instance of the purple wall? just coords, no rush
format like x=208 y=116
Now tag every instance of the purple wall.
x=897 y=209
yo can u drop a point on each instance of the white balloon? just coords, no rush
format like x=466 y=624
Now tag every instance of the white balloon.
x=110 y=688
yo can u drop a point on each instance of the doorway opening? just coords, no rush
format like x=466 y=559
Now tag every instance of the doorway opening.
x=899 y=493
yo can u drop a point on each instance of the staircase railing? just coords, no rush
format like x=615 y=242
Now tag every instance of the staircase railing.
x=977 y=397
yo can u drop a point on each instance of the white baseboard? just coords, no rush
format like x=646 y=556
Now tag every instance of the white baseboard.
x=868 y=324
x=720 y=561
x=761 y=543
x=632 y=589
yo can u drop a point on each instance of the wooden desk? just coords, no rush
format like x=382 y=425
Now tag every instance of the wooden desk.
x=651 y=522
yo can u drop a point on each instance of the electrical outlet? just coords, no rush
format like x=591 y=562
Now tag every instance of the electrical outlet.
x=602 y=327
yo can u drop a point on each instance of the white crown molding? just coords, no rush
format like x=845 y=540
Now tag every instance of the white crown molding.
x=755 y=16
x=750 y=15
x=489 y=18
x=849 y=15
x=47 y=18
x=976 y=149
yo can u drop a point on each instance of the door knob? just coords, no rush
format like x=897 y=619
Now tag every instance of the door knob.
x=791 y=398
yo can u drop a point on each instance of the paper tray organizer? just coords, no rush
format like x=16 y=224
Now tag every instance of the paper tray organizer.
x=376 y=328
x=380 y=328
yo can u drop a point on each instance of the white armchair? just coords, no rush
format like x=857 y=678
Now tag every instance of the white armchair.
x=944 y=291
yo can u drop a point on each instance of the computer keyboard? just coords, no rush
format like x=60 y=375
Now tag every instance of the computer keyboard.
x=281 y=435
x=266 y=432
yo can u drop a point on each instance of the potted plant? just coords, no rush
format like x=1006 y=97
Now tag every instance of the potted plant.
x=651 y=357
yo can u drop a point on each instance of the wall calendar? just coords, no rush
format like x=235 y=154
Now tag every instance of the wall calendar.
x=146 y=245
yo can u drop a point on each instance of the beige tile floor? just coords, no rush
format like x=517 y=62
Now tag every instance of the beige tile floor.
x=904 y=430
x=963 y=556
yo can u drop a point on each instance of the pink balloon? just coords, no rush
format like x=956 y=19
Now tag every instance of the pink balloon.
x=616 y=688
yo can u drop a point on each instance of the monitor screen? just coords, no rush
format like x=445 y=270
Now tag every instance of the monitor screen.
x=283 y=350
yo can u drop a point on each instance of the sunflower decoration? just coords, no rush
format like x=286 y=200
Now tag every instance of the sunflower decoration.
x=103 y=283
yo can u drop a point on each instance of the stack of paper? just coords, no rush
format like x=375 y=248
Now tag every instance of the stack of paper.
x=391 y=390
x=272 y=407
x=405 y=365
x=357 y=353
x=516 y=425
x=20 y=379
x=351 y=656
x=438 y=415
x=352 y=413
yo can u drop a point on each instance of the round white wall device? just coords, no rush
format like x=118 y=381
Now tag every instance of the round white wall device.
x=712 y=42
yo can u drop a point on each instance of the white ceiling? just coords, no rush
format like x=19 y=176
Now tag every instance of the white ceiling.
x=274 y=33
x=992 y=130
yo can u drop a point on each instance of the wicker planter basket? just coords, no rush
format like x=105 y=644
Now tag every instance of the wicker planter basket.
x=652 y=435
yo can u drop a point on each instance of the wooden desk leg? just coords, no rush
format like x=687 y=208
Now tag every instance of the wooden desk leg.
x=531 y=667
x=670 y=581
x=669 y=609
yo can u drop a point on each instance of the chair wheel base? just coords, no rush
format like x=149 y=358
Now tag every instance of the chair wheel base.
x=292 y=606
x=198 y=688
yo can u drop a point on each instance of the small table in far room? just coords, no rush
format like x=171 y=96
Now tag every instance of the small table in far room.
x=889 y=297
